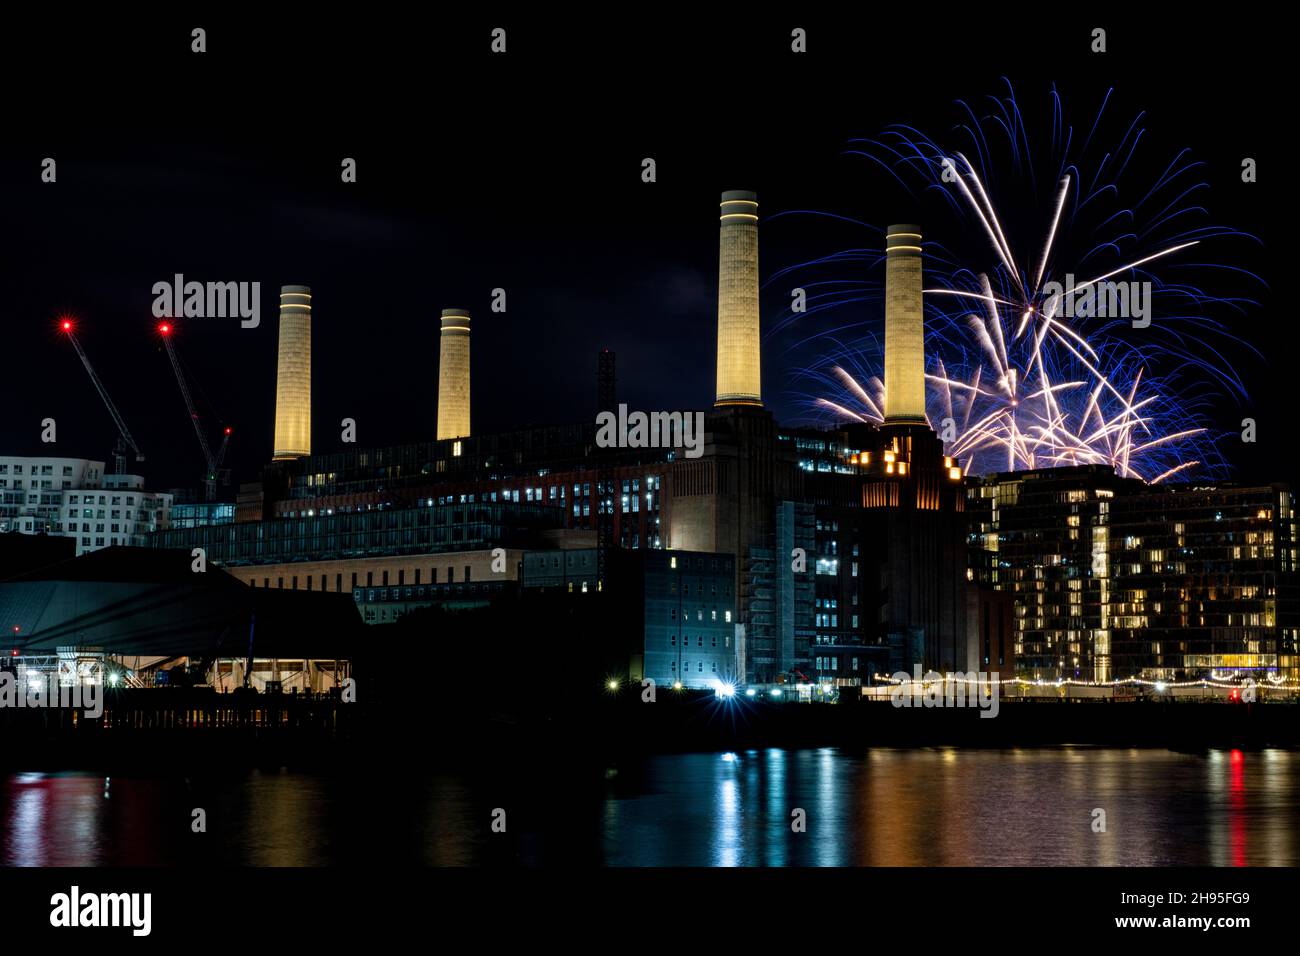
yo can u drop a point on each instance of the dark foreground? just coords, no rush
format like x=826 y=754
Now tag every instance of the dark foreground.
x=198 y=729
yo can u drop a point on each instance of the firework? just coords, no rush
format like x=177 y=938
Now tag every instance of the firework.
x=1017 y=376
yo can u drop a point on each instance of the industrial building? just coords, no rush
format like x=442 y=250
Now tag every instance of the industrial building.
x=843 y=549
x=835 y=554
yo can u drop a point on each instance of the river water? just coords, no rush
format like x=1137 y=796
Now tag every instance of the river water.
x=808 y=807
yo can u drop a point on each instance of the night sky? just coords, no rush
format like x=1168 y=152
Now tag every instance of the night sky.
x=522 y=172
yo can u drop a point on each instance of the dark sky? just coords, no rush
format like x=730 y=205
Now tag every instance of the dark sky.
x=522 y=172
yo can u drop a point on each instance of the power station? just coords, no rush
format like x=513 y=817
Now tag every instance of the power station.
x=877 y=511
x=823 y=557
x=453 y=375
x=293 y=375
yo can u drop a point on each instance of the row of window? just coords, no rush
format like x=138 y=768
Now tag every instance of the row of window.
x=686 y=667
x=699 y=615
x=833 y=664
x=686 y=641
x=309 y=579
x=45 y=469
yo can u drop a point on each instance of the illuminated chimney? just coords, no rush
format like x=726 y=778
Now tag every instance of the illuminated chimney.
x=739 y=354
x=904 y=327
x=293 y=375
x=453 y=375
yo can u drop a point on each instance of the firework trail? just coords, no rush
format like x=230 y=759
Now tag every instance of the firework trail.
x=1016 y=378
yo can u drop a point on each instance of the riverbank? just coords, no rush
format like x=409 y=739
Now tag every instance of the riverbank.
x=195 y=728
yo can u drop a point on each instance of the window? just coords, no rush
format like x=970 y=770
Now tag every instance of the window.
x=467 y=572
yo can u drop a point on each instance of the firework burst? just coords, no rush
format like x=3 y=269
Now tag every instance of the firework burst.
x=1017 y=377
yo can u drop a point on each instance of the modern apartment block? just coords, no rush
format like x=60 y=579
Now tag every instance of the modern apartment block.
x=1112 y=578
x=73 y=498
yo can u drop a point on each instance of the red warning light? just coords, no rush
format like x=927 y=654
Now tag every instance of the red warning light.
x=165 y=328
x=66 y=325
x=227 y=431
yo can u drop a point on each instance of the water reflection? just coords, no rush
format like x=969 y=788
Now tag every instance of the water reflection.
x=823 y=807
x=949 y=807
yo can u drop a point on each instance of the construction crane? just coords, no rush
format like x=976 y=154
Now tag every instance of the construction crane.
x=213 y=462
x=124 y=440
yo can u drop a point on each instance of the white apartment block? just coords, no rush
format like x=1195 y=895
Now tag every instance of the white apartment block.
x=73 y=498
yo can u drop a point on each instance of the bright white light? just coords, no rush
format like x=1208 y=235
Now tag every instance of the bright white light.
x=723 y=689
x=751 y=692
x=776 y=693
x=1160 y=686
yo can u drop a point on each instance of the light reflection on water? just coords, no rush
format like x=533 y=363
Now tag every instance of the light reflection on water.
x=935 y=807
x=950 y=807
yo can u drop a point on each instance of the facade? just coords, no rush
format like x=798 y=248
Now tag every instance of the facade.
x=73 y=498
x=1113 y=579
x=688 y=622
x=196 y=514
x=453 y=375
x=367 y=536
x=293 y=375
